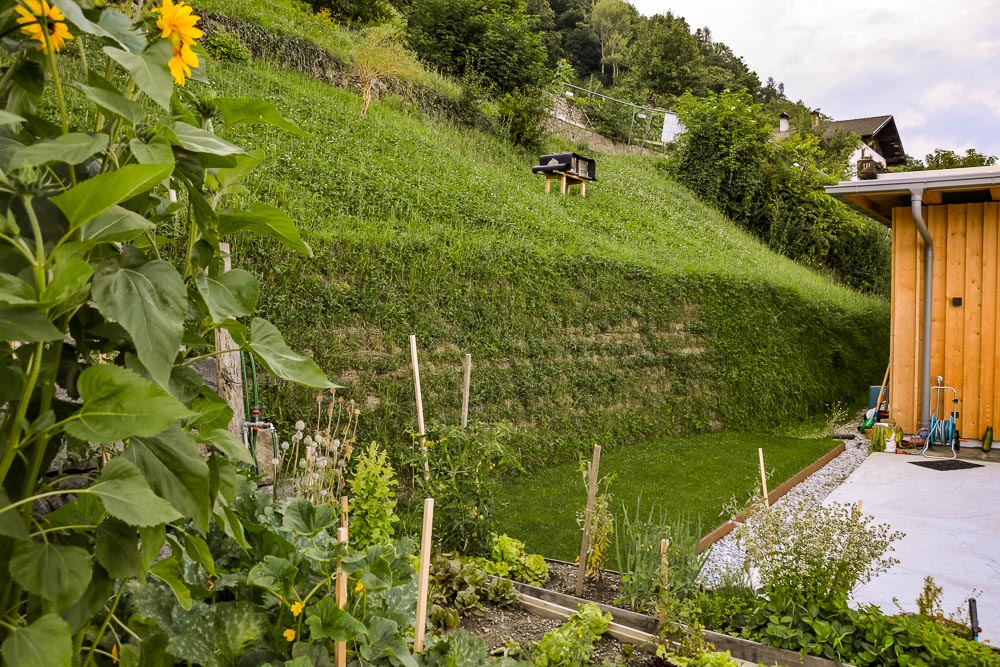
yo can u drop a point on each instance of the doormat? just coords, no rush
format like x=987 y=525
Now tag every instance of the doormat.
x=947 y=464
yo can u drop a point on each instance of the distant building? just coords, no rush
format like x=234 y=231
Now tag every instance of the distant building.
x=879 y=138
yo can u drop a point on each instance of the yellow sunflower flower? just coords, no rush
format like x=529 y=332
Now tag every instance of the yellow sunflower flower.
x=29 y=15
x=289 y=634
x=176 y=23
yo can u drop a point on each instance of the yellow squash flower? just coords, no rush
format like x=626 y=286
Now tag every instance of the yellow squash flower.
x=297 y=609
x=289 y=634
x=30 y=14
x=176 y=23
x=359 y=588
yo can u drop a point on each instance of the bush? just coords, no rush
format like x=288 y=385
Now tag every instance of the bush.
x=820 y=553
x=521 y=113
x=224 y=45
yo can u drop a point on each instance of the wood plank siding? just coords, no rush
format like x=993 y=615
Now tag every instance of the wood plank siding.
x=965 y=347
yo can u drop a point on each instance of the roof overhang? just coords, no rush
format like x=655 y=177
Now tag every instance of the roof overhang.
x=877 y=197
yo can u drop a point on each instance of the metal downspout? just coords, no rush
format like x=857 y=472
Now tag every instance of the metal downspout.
x=916 y=203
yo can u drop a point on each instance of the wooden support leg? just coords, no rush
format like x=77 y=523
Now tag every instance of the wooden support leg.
x=548 y=183
x=583 y=188
x=562 y=184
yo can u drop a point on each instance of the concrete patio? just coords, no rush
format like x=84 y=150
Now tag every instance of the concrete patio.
x=952 y=529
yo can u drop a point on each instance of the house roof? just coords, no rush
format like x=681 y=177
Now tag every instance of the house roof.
x=879 y=132
x=877 y=197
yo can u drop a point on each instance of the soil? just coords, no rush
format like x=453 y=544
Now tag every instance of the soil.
x=500 y=628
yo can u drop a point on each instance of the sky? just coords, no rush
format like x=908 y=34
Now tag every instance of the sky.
x=935 y=66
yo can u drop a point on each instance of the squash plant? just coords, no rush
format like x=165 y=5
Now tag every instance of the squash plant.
x=111 y=286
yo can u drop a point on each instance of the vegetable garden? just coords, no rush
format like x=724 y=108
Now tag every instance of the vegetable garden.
x=132 y=527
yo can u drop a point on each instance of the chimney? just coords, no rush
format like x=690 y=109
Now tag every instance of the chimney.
x=783 y=122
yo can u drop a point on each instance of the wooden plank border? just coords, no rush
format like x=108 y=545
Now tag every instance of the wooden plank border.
x=633 y=628
x=772 y=497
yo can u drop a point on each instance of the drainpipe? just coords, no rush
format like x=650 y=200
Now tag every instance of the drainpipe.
x=916 y=202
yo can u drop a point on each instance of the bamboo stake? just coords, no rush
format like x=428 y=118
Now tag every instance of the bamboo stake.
x=763 y=476
x=588 y=518
x=424 y=583
x=340 y=648
x=420 y=403
x=465 y=389
x=343 y=512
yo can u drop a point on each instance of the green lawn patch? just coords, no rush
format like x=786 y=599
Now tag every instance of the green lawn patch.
x=694 y=477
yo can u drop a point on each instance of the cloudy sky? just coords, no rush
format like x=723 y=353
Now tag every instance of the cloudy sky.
x=935 y=66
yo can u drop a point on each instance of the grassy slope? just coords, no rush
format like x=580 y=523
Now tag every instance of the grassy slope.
x=620 y=317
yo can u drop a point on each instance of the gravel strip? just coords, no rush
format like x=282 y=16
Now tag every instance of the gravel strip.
x=727 y=555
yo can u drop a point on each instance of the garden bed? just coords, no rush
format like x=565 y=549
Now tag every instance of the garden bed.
x=631 y=637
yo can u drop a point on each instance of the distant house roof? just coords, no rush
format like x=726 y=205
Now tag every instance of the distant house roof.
x=878 y=132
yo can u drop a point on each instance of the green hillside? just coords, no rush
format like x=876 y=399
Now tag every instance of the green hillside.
x=632 y=313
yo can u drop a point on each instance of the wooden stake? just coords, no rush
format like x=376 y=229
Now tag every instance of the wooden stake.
x=664 y=547
x=465 y=389
x=763 y=476
x=859 y=506
x=423 y=584
x=340 y=649
x=588 y=518
x=229 y=372
x=420 y=403
x=343 y=512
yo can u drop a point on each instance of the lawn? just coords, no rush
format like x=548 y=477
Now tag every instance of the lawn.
x=692 y=477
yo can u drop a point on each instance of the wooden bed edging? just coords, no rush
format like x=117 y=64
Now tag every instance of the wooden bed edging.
x=641 y=630
x=772 y=497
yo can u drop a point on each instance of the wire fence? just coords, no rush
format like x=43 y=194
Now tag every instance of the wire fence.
x=620 y=121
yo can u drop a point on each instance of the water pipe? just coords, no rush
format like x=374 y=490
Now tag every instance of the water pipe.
x=916 y=206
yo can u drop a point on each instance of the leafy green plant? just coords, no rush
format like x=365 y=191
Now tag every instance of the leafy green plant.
x=819 y=553
x=372 y=498
x=571 y=644
x=866 y=637
x=464 y=468
x=508 y=559
x=116 y=199
x=732 y=597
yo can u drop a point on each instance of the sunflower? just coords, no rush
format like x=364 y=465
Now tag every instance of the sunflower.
x=31 y=11
x=176 y=23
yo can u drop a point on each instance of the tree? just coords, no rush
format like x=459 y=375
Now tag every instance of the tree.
x=613 y=24
x=723 y=155
x=723 y=69
x=945 y=159
x=667 y=57
x=492 y=37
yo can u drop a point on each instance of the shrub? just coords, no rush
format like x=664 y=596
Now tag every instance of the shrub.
x=521 y=113
x=224 y=45
x=356 y=13
x=373 y=499
x=820 y=553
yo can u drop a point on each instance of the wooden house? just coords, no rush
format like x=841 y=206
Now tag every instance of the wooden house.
x=945 y=252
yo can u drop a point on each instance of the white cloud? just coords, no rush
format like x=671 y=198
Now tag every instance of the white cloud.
x=914 y=59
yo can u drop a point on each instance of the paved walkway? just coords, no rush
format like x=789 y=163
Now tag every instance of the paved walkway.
x=952 y=525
